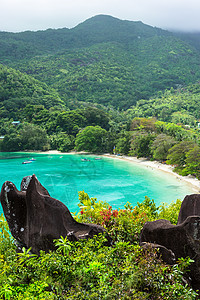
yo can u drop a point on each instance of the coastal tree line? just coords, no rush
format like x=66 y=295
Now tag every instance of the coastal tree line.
x=153 y=128
x=98 y=131
x=95 y=96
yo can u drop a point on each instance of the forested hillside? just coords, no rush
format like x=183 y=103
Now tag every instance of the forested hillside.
x=112 y=74
x=93 y=31
x=105 y=84
x=193 y=38
x=18 y=90
x=178 y=106
x=103 y=60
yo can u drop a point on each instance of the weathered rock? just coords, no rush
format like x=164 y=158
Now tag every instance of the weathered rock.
x=183 y=240
x=35 y=218
x=189 y=207
x=166 y=254
x=14 y=207
x=25 y=182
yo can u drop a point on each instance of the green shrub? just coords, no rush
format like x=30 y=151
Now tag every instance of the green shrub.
x=170 y=211
x=88 y=269
x=121 y=224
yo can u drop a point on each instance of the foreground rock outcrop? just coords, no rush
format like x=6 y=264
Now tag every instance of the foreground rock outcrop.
x=181 y=240
x=189 y=207
x=35 y=218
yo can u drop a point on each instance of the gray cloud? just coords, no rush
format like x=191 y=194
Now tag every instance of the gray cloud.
x=20 y=15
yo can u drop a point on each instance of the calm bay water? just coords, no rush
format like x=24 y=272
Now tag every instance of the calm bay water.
x=107 y=179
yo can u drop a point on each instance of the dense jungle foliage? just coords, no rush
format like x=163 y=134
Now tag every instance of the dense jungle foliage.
x=106 y=85
x=72 y=91
x=175 y=105
x=103 y=60
x=88 y=269
x=18 y=90
x=97 y=129
x=98 y=29
x=112 y=74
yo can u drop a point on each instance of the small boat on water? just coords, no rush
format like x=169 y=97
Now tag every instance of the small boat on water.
x=28 y=161
x=98 y=158
x=85 y=159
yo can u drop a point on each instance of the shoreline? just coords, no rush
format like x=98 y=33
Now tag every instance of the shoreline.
x=191 y=180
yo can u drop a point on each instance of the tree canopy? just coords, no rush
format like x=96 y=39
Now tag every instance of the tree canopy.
x=91 y=139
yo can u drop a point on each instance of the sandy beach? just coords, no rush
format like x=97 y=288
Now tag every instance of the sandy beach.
x=191 y=180
x=194 y=182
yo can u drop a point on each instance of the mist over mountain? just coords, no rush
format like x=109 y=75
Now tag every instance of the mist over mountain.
x=193 y=38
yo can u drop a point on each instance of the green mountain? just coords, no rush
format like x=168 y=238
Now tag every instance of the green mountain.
x=193 y=38
x=18 y=90
x=95 y=30
x=103 y=60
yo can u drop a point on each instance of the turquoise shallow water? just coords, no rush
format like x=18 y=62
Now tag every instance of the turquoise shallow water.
x=107 y=179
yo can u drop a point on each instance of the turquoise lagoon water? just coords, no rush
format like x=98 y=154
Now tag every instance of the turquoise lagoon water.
x=107 y=179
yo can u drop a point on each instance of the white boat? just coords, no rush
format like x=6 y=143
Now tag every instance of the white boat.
x=84 y=159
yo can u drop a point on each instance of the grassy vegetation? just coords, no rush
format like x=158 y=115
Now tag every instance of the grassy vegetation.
x=88 y=269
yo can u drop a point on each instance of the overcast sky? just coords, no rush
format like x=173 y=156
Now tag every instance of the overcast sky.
x=21 y=15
